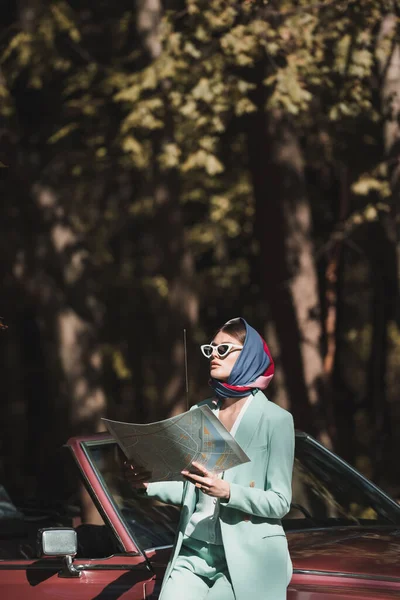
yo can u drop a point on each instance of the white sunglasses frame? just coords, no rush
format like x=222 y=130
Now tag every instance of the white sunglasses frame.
x=230 y=348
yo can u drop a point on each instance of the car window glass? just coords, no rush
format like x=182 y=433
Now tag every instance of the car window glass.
x=326 y=491
x=150 y=522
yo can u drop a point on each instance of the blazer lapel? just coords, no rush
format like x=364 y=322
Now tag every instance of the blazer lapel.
x=189 y=500
x=248 y=425
x=247 y=428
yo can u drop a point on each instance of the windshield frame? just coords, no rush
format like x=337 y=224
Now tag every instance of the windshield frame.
x=99 y=492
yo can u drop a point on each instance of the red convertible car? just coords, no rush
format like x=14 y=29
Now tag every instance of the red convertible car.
x=343 y=533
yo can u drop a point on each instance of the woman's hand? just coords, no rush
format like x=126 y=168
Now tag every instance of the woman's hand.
x=136 y=476
x=207 y=482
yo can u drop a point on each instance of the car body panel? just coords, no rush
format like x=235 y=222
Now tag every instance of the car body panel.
x=348 y=550
x=349 y=563
x=115 y=577
x=322 y=571
x=323 y=586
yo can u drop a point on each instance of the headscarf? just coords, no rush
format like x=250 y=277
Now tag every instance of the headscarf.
x=252 y=371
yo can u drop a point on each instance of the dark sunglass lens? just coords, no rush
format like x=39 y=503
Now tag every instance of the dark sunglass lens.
x=222 y=349
x=208 y=350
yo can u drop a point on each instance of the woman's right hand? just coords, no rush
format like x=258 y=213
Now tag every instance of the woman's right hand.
x=136 y=476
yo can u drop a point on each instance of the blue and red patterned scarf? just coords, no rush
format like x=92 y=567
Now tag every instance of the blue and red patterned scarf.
x=252 y=371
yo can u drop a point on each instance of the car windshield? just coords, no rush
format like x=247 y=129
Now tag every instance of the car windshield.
x=326 y=492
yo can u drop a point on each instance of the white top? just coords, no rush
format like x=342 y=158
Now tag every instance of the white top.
x=204 y=524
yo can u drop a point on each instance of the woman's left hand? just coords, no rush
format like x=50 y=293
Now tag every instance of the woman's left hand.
x=207 y=482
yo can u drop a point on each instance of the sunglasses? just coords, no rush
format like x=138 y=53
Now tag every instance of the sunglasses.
x=222 y=349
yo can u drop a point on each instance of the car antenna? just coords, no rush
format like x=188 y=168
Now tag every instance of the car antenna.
x=186 y=369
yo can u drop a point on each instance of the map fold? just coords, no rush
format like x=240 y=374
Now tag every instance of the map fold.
x=167 y=447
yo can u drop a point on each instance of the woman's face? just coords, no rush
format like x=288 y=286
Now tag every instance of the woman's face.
x=220 y=368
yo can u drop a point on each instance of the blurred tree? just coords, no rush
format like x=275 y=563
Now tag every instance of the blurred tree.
x=178 y=163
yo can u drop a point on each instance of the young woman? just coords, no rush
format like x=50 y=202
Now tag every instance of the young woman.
x=230 y=544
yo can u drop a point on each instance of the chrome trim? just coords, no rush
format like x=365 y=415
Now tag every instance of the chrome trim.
x=69 y=571
x=140 y=567
x=97 y=442
x=347 y=575
x=159 y=548
x=79 y=567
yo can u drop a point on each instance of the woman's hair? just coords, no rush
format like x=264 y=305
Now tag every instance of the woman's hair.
x=235 y=328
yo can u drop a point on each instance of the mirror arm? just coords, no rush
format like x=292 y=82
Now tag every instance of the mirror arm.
x=69 y=569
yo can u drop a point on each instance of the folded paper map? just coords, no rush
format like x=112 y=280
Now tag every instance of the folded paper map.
x=167 y=447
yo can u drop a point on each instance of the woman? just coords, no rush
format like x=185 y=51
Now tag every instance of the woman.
x=230 y=543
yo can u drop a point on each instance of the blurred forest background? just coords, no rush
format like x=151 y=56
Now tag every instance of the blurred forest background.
x=173 y=164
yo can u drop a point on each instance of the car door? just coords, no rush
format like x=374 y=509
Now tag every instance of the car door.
x=114 y=577
x=143 y=523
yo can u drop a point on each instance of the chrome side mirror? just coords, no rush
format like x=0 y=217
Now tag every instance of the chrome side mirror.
x=62 y=542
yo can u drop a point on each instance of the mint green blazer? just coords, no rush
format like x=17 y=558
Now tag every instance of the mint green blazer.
x=261 y=491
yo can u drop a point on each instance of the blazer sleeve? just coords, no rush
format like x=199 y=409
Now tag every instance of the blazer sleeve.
x=274 y=501
x=170 y=492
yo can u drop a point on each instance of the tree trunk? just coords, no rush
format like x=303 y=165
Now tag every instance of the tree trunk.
x=383 y=283
x=388 y=58
x=71 y=305
x=331 y=280
x=173 y=262
x=288 y=277
x=343 y=402
x=340 y=401
x=14 y=425
x=388 y=54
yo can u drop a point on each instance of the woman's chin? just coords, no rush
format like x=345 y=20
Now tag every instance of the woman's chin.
x=217 y=374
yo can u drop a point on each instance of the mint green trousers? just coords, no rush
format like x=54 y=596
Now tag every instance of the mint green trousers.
x=200 y=573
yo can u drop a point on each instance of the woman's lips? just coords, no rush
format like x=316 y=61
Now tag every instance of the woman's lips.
x=214 y=364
